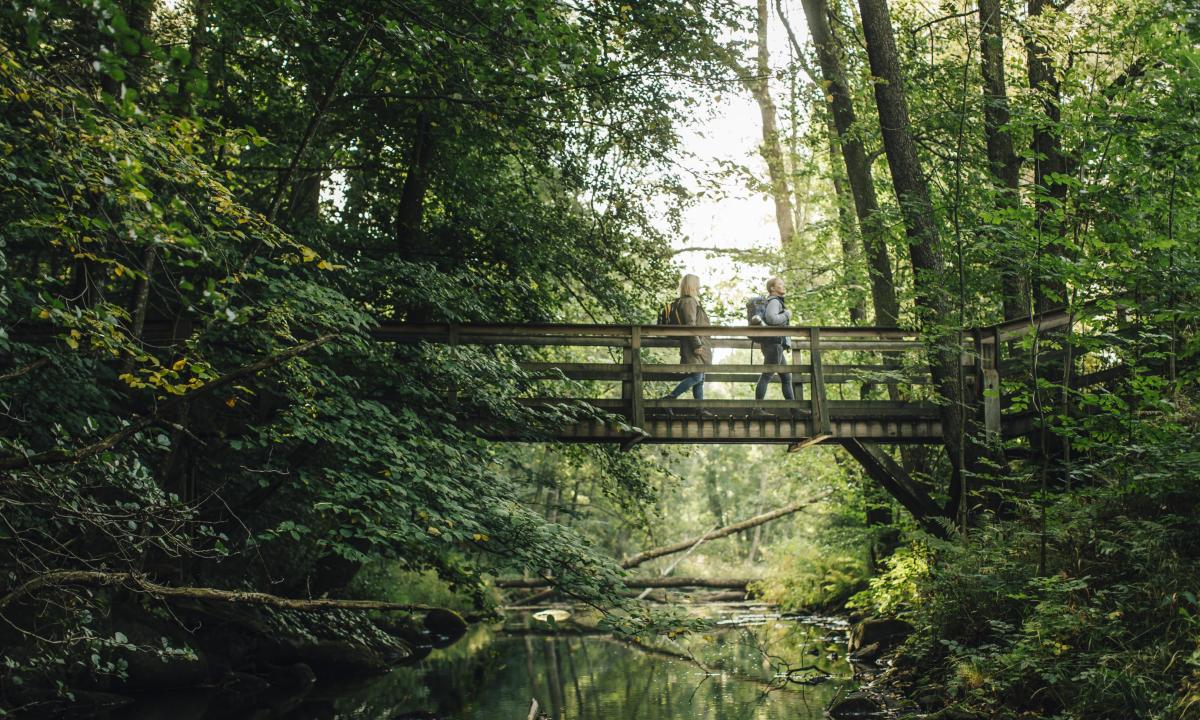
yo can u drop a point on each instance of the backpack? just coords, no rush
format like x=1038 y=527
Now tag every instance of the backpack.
x=667 y=313
x=756 y=315
x=756 y=310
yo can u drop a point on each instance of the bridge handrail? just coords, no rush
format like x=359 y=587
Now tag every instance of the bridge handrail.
x=400 y=330
x=987 y=351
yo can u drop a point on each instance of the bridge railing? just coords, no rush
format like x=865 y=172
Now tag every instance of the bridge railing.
x=625 y=369
x=822 y=357
x=1070 y=350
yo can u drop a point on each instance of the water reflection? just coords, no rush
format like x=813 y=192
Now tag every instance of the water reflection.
x=732 y=673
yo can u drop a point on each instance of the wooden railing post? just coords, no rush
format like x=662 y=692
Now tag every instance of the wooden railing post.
x=627 y=382
x=638 y=412
x=989 y=388
x=820 y=409
x=972 y=390
x=452 y=391
x=797 y=388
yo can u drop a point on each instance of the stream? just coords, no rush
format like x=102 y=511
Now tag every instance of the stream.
x=753 y=665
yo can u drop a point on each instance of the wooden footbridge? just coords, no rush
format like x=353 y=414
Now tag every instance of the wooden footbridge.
x=608 y=382
x=619 y=373
x=604 y=383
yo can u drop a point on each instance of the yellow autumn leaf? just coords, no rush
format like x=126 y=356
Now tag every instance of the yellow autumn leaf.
x=479 y=537
x=324 y=265
x=179 y=364
x=119 y=270
x=433 y=531
x=231 y=401
x=44 y=315
x=308 y=253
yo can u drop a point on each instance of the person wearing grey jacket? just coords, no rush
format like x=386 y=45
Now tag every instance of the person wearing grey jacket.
x=776 y=314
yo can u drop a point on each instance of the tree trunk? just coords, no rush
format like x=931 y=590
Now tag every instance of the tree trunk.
x=314 y=122
x=713 y=492
x=802 y=183
x=200 y=9
x=856 y=298
x=858 y=173
x=1003 y=163
x=772 y=149
x=139 y=14
x=1049 y=289
x=305 y=205
x=411 y=213
x=141 y=300
x=756 y=536
x=858 y=168
x=931 y=281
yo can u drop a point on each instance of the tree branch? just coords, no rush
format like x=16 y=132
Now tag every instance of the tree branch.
x=315 y=121
x=21 y=371
x=140 y=583
x=942 y=19
x=59 y=455
x=801 y=60
x=720 y=251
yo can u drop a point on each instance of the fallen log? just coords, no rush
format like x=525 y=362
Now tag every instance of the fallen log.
x=699 y=598
x=683 y=546
x=648 y=555
x=139 y=583
x=718 y=597
x=651 y=582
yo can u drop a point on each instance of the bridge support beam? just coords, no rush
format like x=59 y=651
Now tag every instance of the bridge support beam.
x=882 y=469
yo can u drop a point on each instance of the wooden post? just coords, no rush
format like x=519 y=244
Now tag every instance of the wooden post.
x=627 y=384
x=990 y=387
x=638 y=412
x=820 y=409
x=797 y=388
x=452 y=392
x=883 y=470
x=972 y=390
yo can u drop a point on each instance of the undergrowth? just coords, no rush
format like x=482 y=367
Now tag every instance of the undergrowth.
x=1108 y=628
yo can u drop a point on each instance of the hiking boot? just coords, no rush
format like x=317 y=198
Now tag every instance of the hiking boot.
x=760 y=414
x=668 y=412
x=707 y=415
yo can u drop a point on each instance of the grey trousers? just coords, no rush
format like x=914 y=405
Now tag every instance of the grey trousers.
x=773 y=355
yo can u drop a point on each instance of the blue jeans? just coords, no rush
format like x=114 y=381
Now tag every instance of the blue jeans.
x=694 y=381
x=773 y=355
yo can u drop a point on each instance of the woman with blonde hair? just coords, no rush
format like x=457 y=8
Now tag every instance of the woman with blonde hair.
x=693 y=349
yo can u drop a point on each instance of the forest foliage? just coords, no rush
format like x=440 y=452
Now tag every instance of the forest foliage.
x=207 y=206
x=189 y=389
